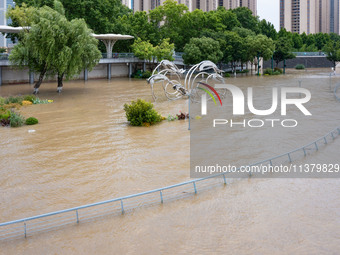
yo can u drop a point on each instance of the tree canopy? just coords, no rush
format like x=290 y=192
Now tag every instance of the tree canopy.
x=199 y=49
x=145 y=50
x=54 y=45
x=332 y=50
x=283 y=48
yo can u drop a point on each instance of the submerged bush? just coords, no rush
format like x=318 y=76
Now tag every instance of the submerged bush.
x=31 y=121
x=13 y=100
x=141 y=113
x=12 y=106
x=300 y=67
x=268 y=71
x=30 y=98
x=16 y=120
x=2 y=100
x=37 y=100
x=276 y=69
x=4 y=116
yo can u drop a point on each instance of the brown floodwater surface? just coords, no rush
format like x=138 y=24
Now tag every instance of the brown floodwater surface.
x=84 y=151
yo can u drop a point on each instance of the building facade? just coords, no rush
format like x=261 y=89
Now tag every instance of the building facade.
x=204 y=5
x=4 y=4
x=310 y=16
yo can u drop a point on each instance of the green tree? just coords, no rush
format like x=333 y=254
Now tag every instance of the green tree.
x=243 y=32
x=152 y=54
x=283 y=48
x=297 y=41
x=199 y=49
x=100 y=15
x=321 y=39
x=262 y=47
x=235 y=50
x=192 y=25
x=221 y=20
x=168 y=17
x=136 y=24
x=78 y=52
x=55 y=46
x=268 y=29
x=332 y=50
x=246 y=18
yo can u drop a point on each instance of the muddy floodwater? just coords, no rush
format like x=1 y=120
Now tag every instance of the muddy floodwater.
x=83 y=151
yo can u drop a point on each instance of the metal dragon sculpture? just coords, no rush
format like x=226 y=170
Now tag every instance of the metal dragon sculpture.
x=169 y=76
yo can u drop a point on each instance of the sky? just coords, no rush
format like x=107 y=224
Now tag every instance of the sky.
x=270 y=11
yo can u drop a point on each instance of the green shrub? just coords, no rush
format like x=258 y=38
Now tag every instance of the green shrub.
x=4 y=113
x=2 y=100
x=276 y=73
x=146 y=74
x=243 y=71
x=13 y=100
x=268 y=71
x=226 y=75
x=30 y=98
x=3 y=50
x=278 y=70
x=37 y=100
x=300 y=67
x=16 y=120
x=141 y=113
x=31 y=121
x=171 y=117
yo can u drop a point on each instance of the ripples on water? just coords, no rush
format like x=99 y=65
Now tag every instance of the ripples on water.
x=83 y=151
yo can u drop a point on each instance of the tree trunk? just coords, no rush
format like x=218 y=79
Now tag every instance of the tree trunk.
x=60 y=82
x=40 y=80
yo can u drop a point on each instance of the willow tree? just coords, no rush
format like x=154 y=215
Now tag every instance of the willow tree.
x=55 y=46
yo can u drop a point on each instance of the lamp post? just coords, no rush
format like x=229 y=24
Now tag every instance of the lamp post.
x=258 y=64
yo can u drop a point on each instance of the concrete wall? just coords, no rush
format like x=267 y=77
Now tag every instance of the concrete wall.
x=308 y=62
x=14 y=75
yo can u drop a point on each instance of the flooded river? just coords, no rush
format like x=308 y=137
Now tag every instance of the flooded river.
x=83 y=151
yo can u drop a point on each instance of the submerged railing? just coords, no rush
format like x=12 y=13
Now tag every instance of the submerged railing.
x=336 y=91
x=75 y=215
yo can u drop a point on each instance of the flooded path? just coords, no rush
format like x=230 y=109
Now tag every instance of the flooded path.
x=83 y=151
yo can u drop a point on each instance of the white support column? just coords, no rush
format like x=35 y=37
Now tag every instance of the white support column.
x=109 y=71
x=109 y=45
x=31 y=77
x=130 y=70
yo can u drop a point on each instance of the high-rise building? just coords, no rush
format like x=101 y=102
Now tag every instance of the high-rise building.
x=205 y=5
x=5 y=42
x=310 y=16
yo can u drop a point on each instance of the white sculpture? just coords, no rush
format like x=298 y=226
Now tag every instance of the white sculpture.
x=203 y=74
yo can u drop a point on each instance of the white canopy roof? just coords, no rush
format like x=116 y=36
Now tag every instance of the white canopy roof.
x=112 y=36
x=8 y=29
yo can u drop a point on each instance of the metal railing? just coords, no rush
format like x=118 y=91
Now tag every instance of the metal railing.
x=310 y=54
x=4 y=56
x=75 y=215
x=119 y=55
